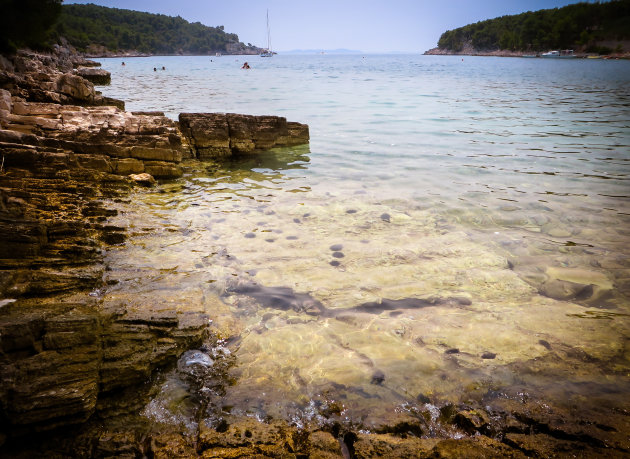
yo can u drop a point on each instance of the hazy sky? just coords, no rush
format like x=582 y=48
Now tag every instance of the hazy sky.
x=365 y=25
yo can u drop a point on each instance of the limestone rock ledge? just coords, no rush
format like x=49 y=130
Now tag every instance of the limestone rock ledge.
x=66 y=354
x=212 y=135
x=63 y=361
x=95 y=75
x=102 y=138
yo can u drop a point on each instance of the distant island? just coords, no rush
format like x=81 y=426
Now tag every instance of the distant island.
x=100 y=31
x=324 y=51
x=587 y=28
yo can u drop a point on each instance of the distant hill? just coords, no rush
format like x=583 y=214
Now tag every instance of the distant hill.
x=590 y=27
x=103 y=30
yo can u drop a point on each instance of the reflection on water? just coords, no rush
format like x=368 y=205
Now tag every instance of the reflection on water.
x=457 y=232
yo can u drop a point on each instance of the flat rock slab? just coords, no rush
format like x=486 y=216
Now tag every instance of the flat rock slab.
x=212 y=135
x=95 y=75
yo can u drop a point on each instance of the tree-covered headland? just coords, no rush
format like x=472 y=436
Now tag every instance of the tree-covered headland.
x=120 y=30
x=27 y=23
x=600 y=27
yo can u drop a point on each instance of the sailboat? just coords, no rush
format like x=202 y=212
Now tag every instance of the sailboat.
x=268 y=52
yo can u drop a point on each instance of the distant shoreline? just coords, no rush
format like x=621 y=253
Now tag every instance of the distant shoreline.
x=507 y=53
x=134 y=54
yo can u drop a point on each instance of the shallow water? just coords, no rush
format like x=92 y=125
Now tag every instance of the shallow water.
x=456 y=228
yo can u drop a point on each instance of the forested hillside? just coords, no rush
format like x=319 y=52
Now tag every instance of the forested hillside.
x=591 y=27
x=123 y=30
x=27 y=23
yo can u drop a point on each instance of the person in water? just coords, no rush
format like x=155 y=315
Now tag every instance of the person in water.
x=123 y=63
x=246 y=66
x=155 y=69
x=163 y=68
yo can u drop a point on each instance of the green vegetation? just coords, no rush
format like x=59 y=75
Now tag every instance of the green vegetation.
x=27 y=23
x=579 y=26
x=124 y=30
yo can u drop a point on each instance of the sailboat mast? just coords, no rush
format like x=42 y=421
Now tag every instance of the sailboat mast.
x=268 y=34
x=268 y=52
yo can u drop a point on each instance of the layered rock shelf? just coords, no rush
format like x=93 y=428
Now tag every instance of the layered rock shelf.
x=67 y=153
x=212 y=135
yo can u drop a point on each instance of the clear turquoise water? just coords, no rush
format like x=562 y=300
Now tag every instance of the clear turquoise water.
x=502 y=181
x=481 y=128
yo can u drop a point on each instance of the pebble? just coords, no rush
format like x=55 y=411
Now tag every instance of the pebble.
x=488 y=355
x=338 y=254
x=545 y=344
x=296 y=220
x=386 y=217
x=336 y=247
x=250 y=235
x=270 y=239
x=334 y=263
x=351 y=211
x=452 y=351
x=292 y=238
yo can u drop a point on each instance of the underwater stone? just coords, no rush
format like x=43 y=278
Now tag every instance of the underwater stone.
x=452 y=351
x=351 y=211
x=386 y=217
x=250 y=235
x=377 y=378
x=334 y=263
x=472 y=421
x=488 y=355
x=338 y=254
x=336 y=247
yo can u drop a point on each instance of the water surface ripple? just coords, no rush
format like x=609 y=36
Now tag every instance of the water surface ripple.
x=456 y=228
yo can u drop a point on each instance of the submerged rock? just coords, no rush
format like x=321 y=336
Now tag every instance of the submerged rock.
x=580 y=285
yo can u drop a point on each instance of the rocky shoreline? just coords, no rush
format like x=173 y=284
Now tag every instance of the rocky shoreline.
x=468 y=50
x=76 y=370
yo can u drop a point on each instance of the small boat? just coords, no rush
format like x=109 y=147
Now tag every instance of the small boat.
x=268 y=52
x=564 y=54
